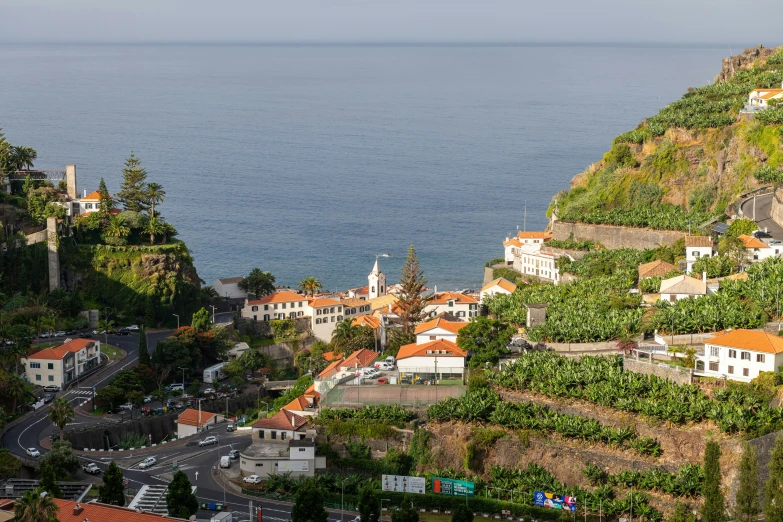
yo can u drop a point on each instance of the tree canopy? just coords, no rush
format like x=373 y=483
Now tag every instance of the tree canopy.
x=411 y=299
x=133 y=191
x=486 y=339
x=180 y=500
x=112 y=491
x=309 y=505
x=258 y=283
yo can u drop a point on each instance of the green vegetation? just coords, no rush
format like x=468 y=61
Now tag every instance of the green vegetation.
x=309 y=505
x=571 y=244
x=112 y=491
x=508 y=274
x=302 y=383
x=747 y=501
x=687 y=481
x=713 y=509
x=773 y=498
x=180 y=500
x=486 y=339
x=387 y=413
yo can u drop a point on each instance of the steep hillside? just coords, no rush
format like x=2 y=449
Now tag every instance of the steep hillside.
x=687 y=164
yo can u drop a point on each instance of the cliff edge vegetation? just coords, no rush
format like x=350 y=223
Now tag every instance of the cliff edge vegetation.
x=686 y=165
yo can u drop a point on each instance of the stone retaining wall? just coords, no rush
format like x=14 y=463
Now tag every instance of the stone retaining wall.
x=664 y=371
x=776 y=211
x=763 y=446
x=583 y=347
x=612 y=236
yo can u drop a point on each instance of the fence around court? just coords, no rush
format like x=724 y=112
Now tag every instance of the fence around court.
x=404 y=395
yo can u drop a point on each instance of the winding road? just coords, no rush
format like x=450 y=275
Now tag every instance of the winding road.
x=761 y=214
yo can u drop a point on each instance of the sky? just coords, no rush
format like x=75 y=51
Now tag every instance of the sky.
x=719 y=22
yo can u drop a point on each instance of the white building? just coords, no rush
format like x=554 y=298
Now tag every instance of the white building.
x=228 y=288
x=740 y=355
x=497 y=286
x=432 y=360
x=531 y=260
x=756 y=250
x=280 y=305
x=265 y=458
x=437 y=329
x=512 y=245
x=376 y=281
x=283 y=425
x=762 y=97
x=683 y=287
x=353 y=307
x=61 y=364
x=192 y=421
x=697 y=247
x=458 y=305
x=90 y=203
x=325 y=314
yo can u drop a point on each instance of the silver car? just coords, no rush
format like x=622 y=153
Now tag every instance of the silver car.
x=147 y=463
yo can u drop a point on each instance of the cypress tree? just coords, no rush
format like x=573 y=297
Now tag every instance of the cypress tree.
x=369 y=506
x=713 y=509
x=48 y=481
x=411 y=302
x=144 y=355
x=309 y=505
x=133 y=191
x=180 y=500
x=747 y=502
x=112 y=491
x=773 y=502
x=106 y=201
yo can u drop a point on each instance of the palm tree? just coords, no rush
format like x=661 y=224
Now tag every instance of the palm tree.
x=22 y=157
x=116 y=227
x=154 y=227
x=155 y=194
x=15 y=388
x=310 y=284
x=342 y=333
x=34 y=506
x=61 y=413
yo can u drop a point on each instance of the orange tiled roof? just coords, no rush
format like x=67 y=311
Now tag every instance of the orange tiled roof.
x=698 y=241
x=191 y=416
x=92 y=196
x=367 y=320
x=96 y=512
x=332 y=368
x=439 y=322
x=655 y=268
x=420 y=350
x=331 y=356
x=56 y=353
x=354 y=301
x=359 y=359
x=445 y=297
x=749 y=340
x=534 y=235
x=505 y=284
x=282 y=420
x=513 y=242
x=284 y=296
x=751 y=242
x=324 y=301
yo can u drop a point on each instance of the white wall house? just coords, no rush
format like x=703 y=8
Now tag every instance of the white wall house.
x=697 y=247
x=60 y=365
x=683 y=287
x=325 y=314
x=497 y=286
x=192 y=421
x=740 y=355
x=265 y=458
x=531 y=260
x=353 y=307
x=90 y=203
x=762 y=97
x=755 y=249
x=512 y=245
x=228 y=288
x=280 y=305
x=283 y=425
x=439 y=359
x=438 y=328
x=458 y=305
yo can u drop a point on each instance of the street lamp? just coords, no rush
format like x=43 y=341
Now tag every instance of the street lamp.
x=213 y=313
x=175 y=315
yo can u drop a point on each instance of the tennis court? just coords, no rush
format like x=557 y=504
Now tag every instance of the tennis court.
x=406 y=395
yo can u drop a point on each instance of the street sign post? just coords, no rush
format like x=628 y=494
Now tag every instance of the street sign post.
x=451 y=487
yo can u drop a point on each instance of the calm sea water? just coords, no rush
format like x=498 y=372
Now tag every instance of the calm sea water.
x=310 y=160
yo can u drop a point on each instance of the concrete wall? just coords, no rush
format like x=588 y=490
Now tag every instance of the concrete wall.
x=264 y=328
x=763 y=446
x=664 y=371
x=54 y=256
x=615 y=237
x=583 y=347
x=776 y=210
x=37 y=237
x=70 y=181
x=97 y=437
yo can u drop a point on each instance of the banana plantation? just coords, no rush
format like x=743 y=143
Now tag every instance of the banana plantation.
x=686 y=482
x=382 y=412
x=601 y=380
x=487 y=406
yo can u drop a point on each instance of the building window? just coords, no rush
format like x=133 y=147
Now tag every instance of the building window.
x=332 y=318
x=451 y=303
x=318 y=321
x=282 y=435
x=275 y=306
x=300 y=304
x=51 y=378
x=713 y=367
x=696 y=254
x=274 y=435
x=339 y=317
x=254 y=309
x=732 y=354
x=760 y=357
x=37 y=377
x=714 y=351
x=266 y=317
x=302 y=449
x=255 y=318
x=331 y=310
x=35 y=365
x=432 y=337
x=283 y=306
x=381 y=289
x=260 y=434
x=299 y=314
x=745 y=372
x=731 y=369
x=745 y=356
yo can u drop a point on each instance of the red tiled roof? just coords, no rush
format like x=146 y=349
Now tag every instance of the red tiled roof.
x=95 y=512
x=749 y=340
x=56 y=353
x=439 y=322
x=282 y=420
x=332 y=368
x=191 y=417
x=325 y=301
x=367 y=320
x=698 y=241
x=445 y=297
x=505 y=284
x=751 y=242
x=284 y=296
x=359 y=359
x=92 y=196
x=655 y=268
x=420 y=350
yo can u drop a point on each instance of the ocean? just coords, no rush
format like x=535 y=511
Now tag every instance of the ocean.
x=309 y=160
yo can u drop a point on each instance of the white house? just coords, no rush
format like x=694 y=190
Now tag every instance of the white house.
x=325 y=314
x=280 y=305
x=228 y=288
x=458 y=305
x=192 y=421
x=438 y=328
x=295 y=457
x=497 y=286
x=512 y=244
x=61 y=364
x=683 y=287
x=755 y=249
x=433 y=360
x=740 y=355
x=283 y=425
x=90 y=202
x=353 y=307
x=761 y=97
x=697 y=247
x=531 y=260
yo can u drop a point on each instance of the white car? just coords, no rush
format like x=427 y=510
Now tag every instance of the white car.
x=147 y=399
x=384 y=366
x=126 y=406
x=147 y=463
x=208 y=441
x=33 y=452
x=209 y=391
x=59 y=334
x=133 y=328
x=44 y=335
x=252 y=479
x=52 y=388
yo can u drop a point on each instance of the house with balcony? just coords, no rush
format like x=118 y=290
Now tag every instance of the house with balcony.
x=62 y=364
x=280 y=305
x=437 y=329
x=458 y=305
x=432 y=361
x=740 y=355
x=512 y=245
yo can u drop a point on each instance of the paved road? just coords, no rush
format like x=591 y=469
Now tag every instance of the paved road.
x=762 y=215
x=37 y=425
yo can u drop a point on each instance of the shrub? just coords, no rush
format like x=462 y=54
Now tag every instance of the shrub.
x=767 y=174
x=621 y=156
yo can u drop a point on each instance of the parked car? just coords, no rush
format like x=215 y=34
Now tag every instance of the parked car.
x=115 y=410
x=391 y=360
x=383 y=380
x=44 y=335
x=147 y=463
x=98 y=332
x=133 y=328
x=233 y=454
x=147 y=399
x=70 y=332
x=208 y=441
x=59 y=333
x=123 y=331
x=225 y=462
x=209 y=391
x=51 y=388
x=33 y=452
x=230 y=428
x=85 y=335
x=126 y=406
x=49 y=397
x=384 y=366
x=91 y=468
x=248 y=377
x=252 y=479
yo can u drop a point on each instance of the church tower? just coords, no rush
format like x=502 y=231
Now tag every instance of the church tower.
x=376 y=282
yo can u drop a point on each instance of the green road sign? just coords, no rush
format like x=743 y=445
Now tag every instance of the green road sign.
x=457 y=488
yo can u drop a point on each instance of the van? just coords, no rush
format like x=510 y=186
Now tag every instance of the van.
x=225 y=462
x=390 y=360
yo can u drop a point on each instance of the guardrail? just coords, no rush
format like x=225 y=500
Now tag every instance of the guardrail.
x=742 y=198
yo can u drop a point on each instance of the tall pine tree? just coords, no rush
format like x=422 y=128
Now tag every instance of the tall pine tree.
x=112 y=491
x=106 y=203
x=369 y=506
x=713 y=509
x=411 y=301
x=773 y=501
x=309 y=505
x=180 y=500
x=133 y=191
x=144 y=355
x=747 y=502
